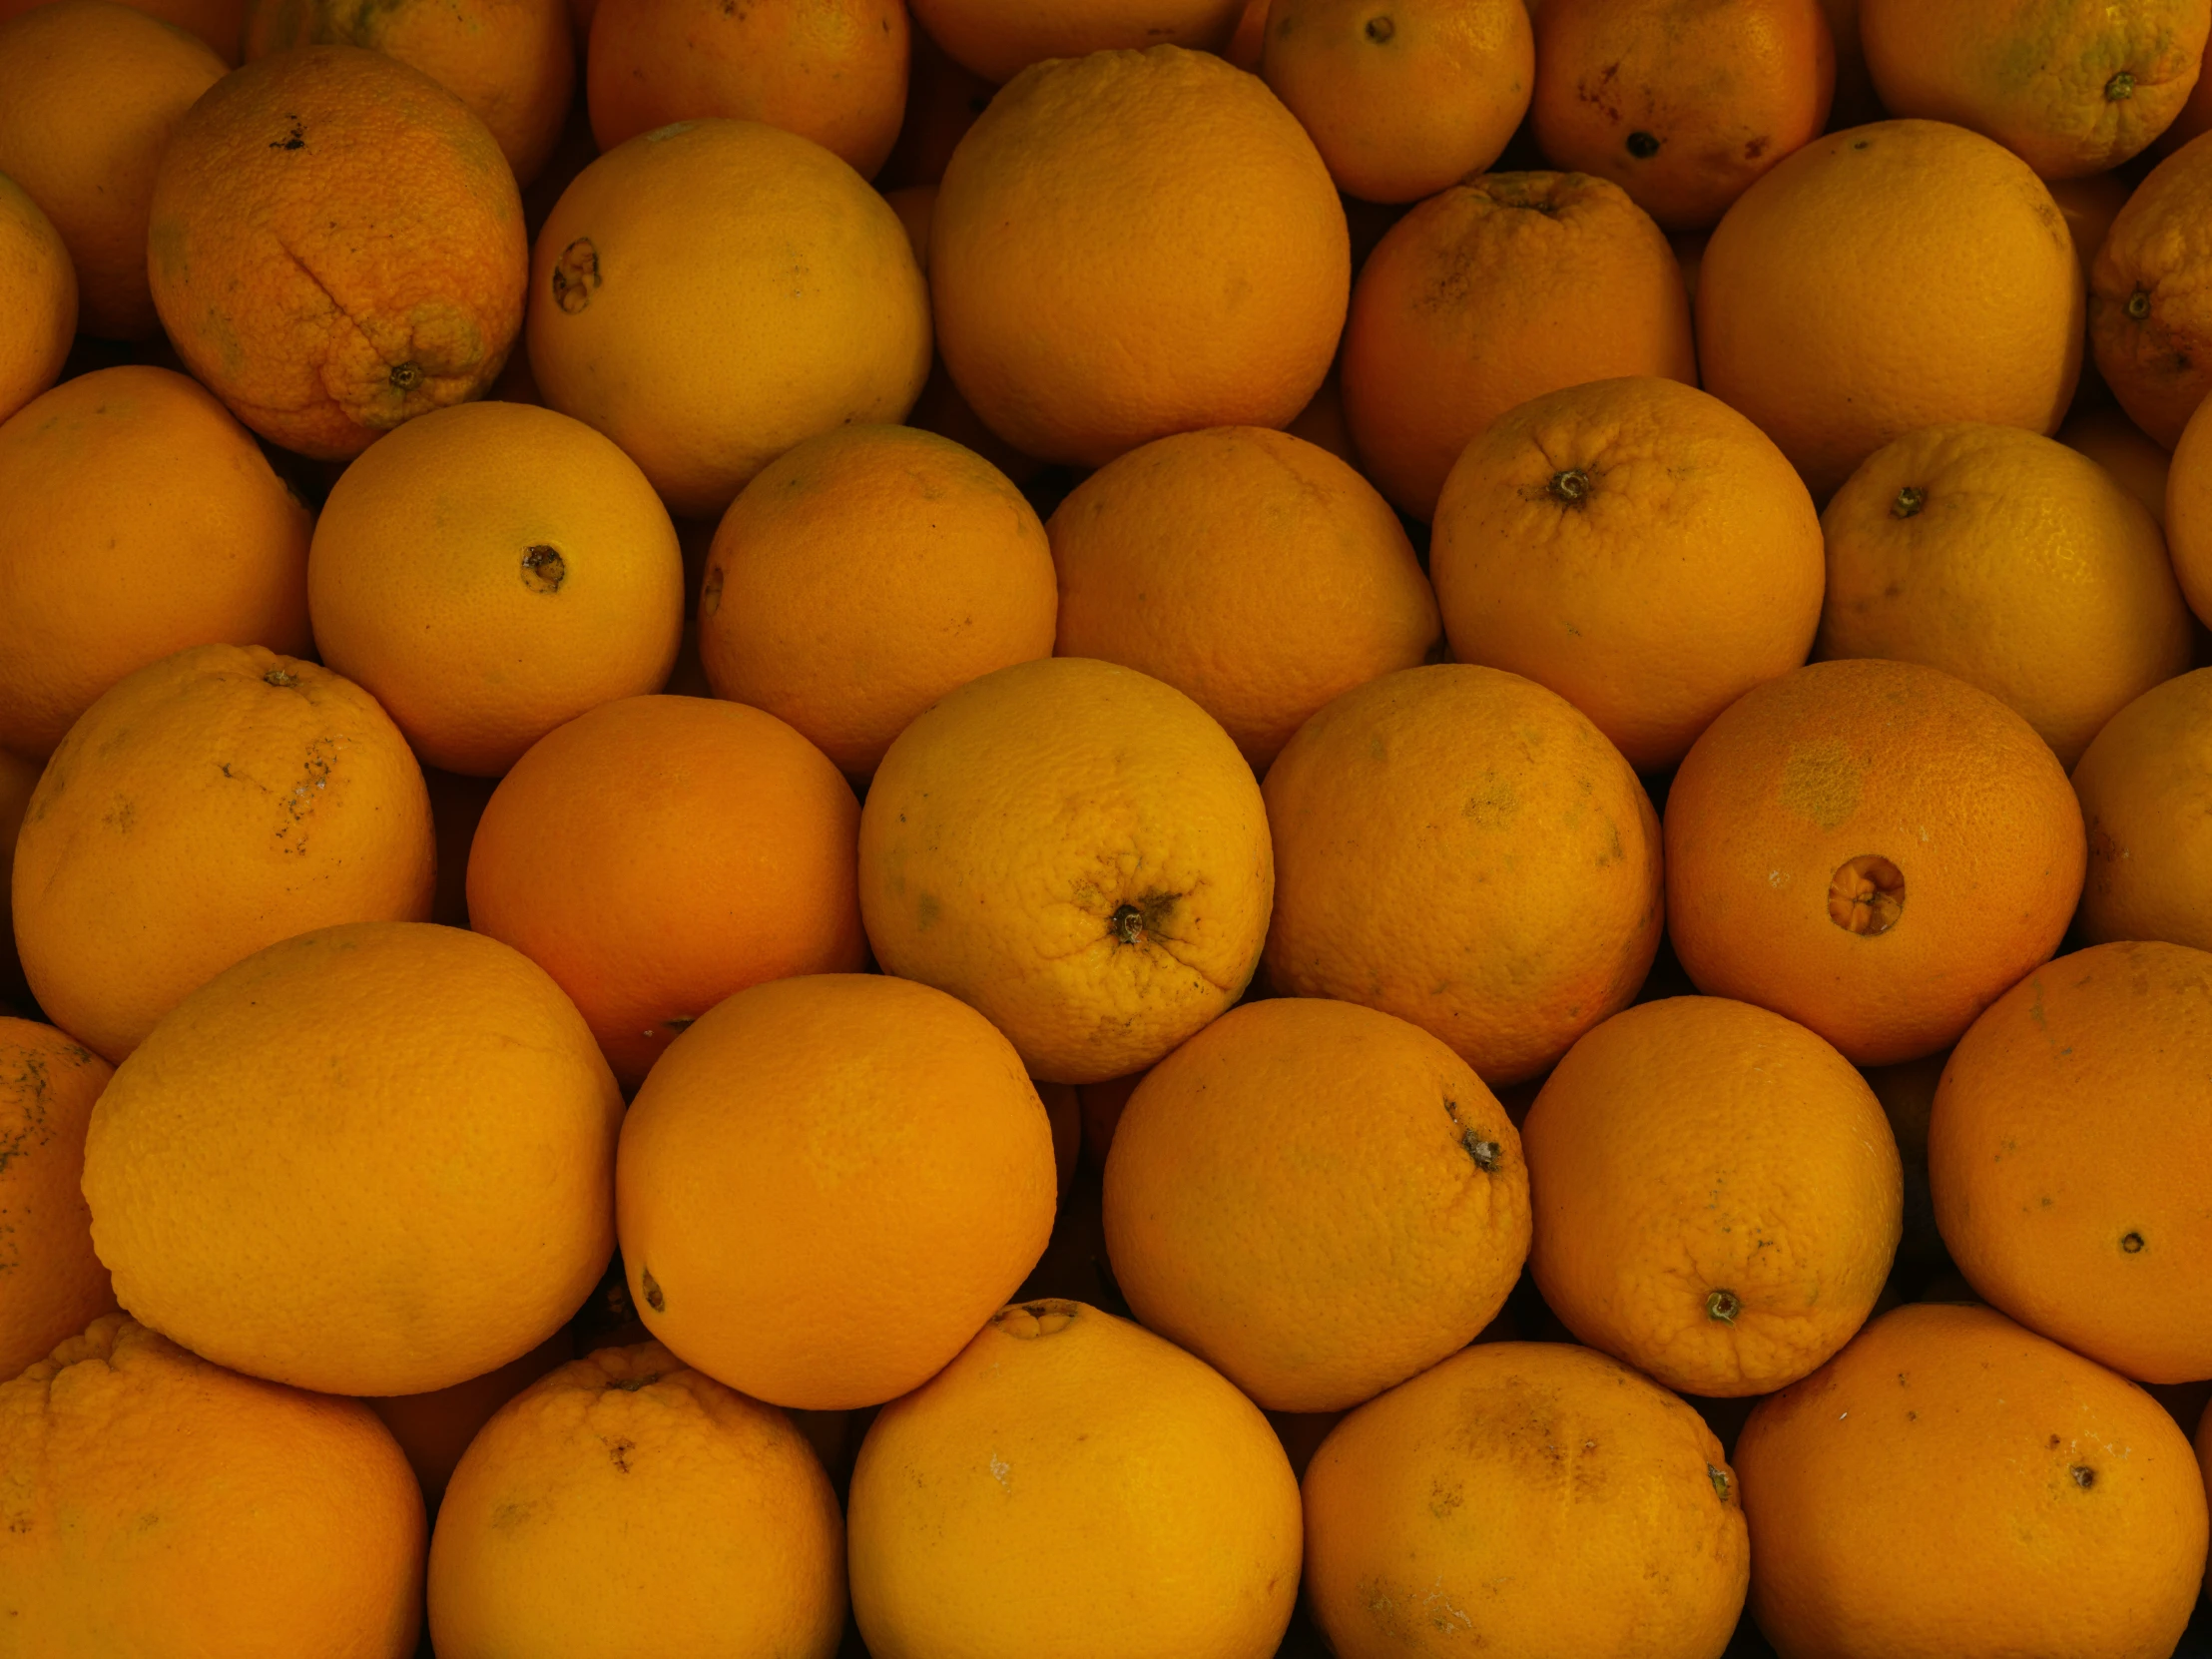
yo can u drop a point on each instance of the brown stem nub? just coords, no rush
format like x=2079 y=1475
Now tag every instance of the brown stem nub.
x=653 y=1298
x=1571 y=486
x=1381 y=29
x=1723 y=1305
x=1909 y=502
x=2138 y=304
x=2132 y=1243
x=1643 y=145
x=406 y=377
x=1485 y=1153
x=2120 y=87
x=1719 y=1477
x=1126 y=924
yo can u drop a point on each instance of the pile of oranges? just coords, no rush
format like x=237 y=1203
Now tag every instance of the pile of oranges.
x=1105 y=831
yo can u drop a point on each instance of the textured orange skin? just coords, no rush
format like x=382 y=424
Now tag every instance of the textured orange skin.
x=2117 y=444
x=210 y=804
x=1461 y=848
x=1695 y=1145
x=157 y=1504
x=18 y=778
x=1845 y=760
x=998 y=39
x=865 y=574
x=332 y=291
x=216 y=22
x=2027 y=570
x=658 y=854
x=1285 y=1201
x=1253 y=571
x=980 y=1526
x=1884 y=278
x=51 y=1284
x=1914 y=1499
x=434 y=1429
x=376 y=1159
x=2188 y=513
x=828 y=1184
x=687 y=342
x=1489 y=293
x=1432 y=101
x=2071 y=1118
x=833 y=70
x=41 y=319
x=90 y=93
x=1078 y=850
x=1687 y=571
x=2159 y=364
x=625 y=1493
x=2145 y=787
x=1727 y=88
x=513 y=62
x=1135 y=244
x=420 y=589
x=1536 y=1496
x=2033 y=74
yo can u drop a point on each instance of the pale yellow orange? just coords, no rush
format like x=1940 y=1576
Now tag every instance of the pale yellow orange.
x=2145 y=787
x=51 y=1284
x=41 y=319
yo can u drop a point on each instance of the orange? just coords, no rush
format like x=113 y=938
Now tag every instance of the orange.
x=1401 y=99
x=2150 y=324
x=833 y=70
x=1635 y=545
x=1078 y=850
x=156 y=1503
x=625 y=1494
x=513 y=62
x=218 y=22
x=490 y=571
x=136 y=518
x=1683 y=103
x=1252 y=570
x=336 y=247
x=1888 y=278
x=658 y=854
x=1716 y=1195
x=41 y=310
x=829 y=1185
x=1951 y=1484
x=429 y=1200
x=2012 y=561
x=1532 y=1497
x=1285 y=1201
x=2145 y=786
x=1461 y=848
x=51 y=1284
x=1874 y=850
x=18 y=778
x=862 y=575
x=434 y=1429
x=2071 y=86
x=2070 y=1149
x=2195 y=118
x=2117 y=444
x=997 y=39
x=1489 y=293
x=664 y=309
x=2090 y=203
x=2189 y=513
x=90 y=93
x=981 y=1524
x=1134 y=243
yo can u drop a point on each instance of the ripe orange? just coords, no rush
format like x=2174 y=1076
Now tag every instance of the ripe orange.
x=1638 y=547
x=1932 y=1488
x=1134 y=243
x=1873 y=848
x=18 y=778
x=2150 y=324
x=2189 y=513
x=152 y=1503
x=1251 y=570
x=218 y=22
x=664 y=311
x=1285 y=1201
x=434 y=1429
x=1489 y=293
x=1685 y=102
x=998 y=39
x=658 y=854
x=432 y=1198
x=491 y=570
x=1460 y=847
x=42 y=311
x=1535 y=1497
x=2145 y=786
x=1079 y=851
x=625 y=1494
x=51 y=1284
x=985 y=1521
x=862 y=575
x=1888 y=278
x=1401 y=99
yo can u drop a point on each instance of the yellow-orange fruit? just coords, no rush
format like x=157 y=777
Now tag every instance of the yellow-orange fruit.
x=18 y=778
x=2150 y=324
x=2189 y=513
x=51 y=1284
x=2145 y=787
x=218 y=22
x=41 y=319
x=998 y=39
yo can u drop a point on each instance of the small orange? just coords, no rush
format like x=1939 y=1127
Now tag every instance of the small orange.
x=18 y=778
x=1250 y=569
x=51 y=1284
x=1489 y=293
x=2150 y=321
x=1684 y=103
x=625 y=1494
x=1954 y=1484
x=491 y=570
x=1873 y=848
x=434 y=1429
x=42 y=309
x=998 y=39
x=2189 y=512
x=1405 y=98
x=2145 y=786
x=862 y=575
x=152 y=1503
x=2101 y=432
x=1461 y=848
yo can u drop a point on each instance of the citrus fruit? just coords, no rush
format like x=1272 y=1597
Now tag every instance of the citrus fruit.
x=2188 y=513
x=2145 y=786
x=42 y=311
x=18 y=778
x=51 y=1284
x=2150 y=324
